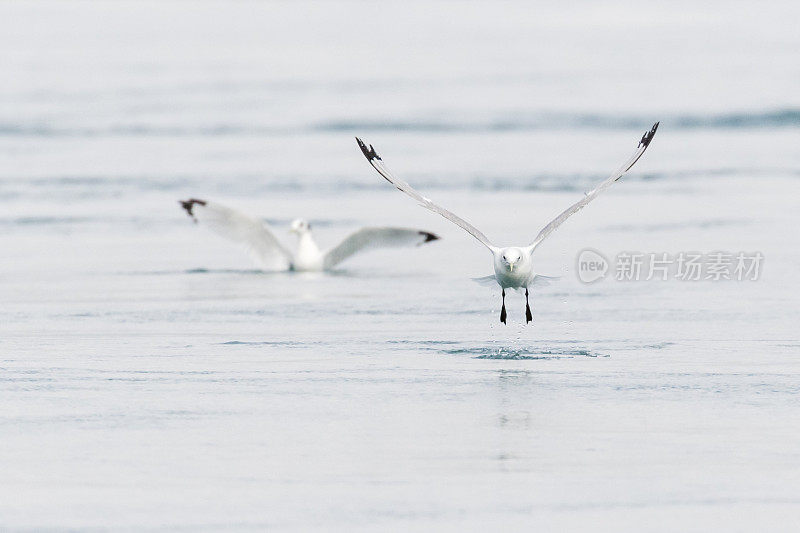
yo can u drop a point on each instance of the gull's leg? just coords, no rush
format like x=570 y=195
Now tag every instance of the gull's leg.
x=528 y=315
x=503 y=310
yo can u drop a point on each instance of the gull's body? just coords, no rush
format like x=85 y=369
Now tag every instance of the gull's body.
x=513 y=265
x=270 y=254
x=308 y=257
x=521 y=275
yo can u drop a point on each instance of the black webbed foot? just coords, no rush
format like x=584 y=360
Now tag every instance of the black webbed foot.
x=503 y=314
x=528 y=314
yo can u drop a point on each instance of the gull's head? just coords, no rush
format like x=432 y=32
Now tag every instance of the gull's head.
x=511 y=257
x=300 y=226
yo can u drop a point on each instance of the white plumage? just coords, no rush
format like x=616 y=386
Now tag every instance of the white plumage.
x=271 y=255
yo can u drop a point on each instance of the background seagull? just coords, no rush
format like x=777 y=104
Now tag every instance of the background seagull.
x=513 y=267
x=268 y=251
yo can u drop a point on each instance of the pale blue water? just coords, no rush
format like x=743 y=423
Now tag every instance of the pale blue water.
x=152 y=379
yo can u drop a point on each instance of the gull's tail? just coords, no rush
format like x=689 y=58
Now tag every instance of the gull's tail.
x=538 y=281
x=486 y=281
x=542 y=281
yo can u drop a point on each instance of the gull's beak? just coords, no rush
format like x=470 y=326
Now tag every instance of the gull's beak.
x=511 y=267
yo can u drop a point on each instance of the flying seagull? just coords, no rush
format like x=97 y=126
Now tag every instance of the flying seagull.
x=513 y=267
x=270 y=254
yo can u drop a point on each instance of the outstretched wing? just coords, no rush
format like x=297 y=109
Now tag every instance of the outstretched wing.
x=372 y=238
x=242 y=228
x=591 y=195
x=377 y=163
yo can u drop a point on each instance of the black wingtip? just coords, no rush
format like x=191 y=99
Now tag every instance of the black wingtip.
x=370 y=152
x=648 y=135
x=429 y=236
x=189 y=204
